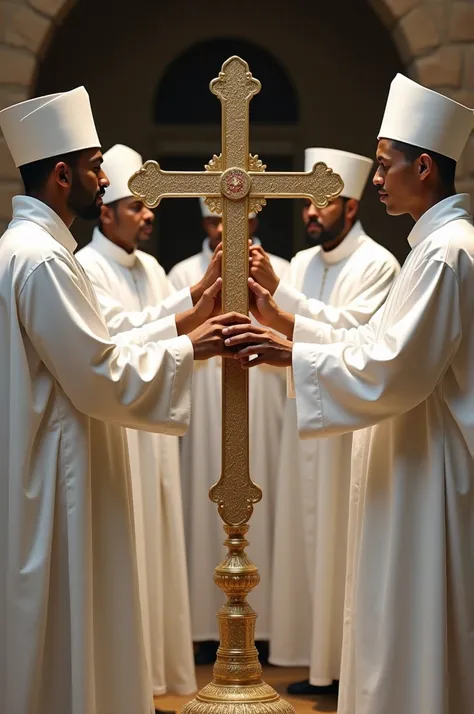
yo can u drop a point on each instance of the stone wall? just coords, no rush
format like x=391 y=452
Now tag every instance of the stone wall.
x=435 y=39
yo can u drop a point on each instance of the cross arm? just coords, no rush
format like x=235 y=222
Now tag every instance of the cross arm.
x=320 y=185
x=150 y=184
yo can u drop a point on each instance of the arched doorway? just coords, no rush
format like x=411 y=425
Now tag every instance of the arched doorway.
x=433 y=40
x=194 y=104
x=338 y=59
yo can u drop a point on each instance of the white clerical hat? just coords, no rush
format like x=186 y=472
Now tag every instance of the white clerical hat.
x=352 y=168
x=418 y=116
x=206 y=213
x=205 y=210
x=120 y=163
x=49 y=126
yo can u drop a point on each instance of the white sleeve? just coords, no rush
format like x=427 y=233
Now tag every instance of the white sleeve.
x=119 y=320
x=342 y=387
x=143 y=387
x=309 y=330
x=375 y=286
x=178 y=278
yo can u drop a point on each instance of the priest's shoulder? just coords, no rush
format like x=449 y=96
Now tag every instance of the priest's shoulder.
x=279 y=264
x=452 y=243
x=304 y=256
x=24 y=247
x=29 y=242
x=371 y=250
x=184 y=265
x=97 y=266
x=149 y=262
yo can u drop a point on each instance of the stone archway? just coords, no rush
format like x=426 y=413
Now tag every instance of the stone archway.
x=434 y=39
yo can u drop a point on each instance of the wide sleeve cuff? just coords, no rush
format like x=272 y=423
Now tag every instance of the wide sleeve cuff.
x=288 y=298
x=180 y=301
x=309 y=330
x=163 y=329
x=306 y=386
x=180 y=411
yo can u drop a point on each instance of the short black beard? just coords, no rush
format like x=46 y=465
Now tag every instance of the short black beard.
x=80 y=202
x=88 y=213
x=327 y=235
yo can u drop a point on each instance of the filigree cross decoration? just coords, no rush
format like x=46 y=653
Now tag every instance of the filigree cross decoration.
x=234 y=184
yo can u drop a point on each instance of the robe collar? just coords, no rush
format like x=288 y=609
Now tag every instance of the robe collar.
x=27 y=208
x=109 y=250
x=449 y=209
x=348 y=246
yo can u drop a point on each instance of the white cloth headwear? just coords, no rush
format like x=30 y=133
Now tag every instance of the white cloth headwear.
x=206 y=213
x=49 y=126
x=205 y=210
x=352 y=168
x=418 y=116
x=120 y=163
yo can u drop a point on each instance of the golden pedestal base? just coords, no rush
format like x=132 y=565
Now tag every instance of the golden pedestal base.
x=237 y=687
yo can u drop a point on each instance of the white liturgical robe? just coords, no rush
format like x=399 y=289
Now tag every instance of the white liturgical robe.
x=201 y=468
x=132 y=289
x=409 y=376
x=71 y=637
x=342 y=287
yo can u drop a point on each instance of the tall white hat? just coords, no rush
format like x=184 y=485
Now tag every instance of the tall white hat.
x=206 y=213
x=418 y=116
x=49 y=126
x=205 y=210
x=120 y=163
x=352 y=168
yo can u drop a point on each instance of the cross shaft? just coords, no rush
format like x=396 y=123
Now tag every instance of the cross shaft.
x=234 y=184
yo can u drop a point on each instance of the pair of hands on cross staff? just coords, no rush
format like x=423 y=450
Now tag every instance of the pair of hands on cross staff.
x=204 y=323
x=232 y=335
x=257 y=344
x=253 y=344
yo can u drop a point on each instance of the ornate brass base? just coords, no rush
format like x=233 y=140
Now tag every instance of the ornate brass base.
x=237 y=687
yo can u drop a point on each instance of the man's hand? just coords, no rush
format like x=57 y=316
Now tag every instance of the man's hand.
x=244 y=341
x=208 y=306
x=212 y=273
x=208 y=339
x=261 y=269
x=265 y=310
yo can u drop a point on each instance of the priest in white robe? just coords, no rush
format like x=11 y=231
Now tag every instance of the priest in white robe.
x=71 y=636
x=341 y=280
x=407 y=378
x=201 y=468
x=132 y=289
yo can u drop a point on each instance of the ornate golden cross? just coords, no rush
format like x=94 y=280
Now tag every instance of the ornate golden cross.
x=234 y=184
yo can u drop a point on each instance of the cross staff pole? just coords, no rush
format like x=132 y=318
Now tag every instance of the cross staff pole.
x=234 y=184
